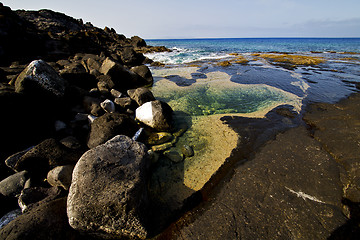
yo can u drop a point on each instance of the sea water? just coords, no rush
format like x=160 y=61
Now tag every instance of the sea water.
x=201 y=91
x=330 y=81
x=189 y=50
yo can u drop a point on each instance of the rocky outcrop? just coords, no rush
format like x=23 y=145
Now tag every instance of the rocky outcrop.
x=54 y=110
x=108 y=191
x=48 y=34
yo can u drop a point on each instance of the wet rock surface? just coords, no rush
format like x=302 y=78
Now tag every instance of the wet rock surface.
x=300 y=185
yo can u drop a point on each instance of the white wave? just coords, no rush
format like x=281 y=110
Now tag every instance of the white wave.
x=182 y=55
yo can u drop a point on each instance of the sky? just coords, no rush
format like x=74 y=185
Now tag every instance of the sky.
x=159 y=19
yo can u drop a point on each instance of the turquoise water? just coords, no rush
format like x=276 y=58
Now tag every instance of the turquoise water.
x=188 y=50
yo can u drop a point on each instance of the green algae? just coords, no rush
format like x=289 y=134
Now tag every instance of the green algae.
x=216 y=94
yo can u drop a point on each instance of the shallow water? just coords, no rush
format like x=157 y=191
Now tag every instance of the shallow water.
x=202 y=93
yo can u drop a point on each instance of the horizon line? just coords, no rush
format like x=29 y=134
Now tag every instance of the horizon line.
x=210 y=38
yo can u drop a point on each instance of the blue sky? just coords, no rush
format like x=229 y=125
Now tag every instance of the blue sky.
x=210 y=18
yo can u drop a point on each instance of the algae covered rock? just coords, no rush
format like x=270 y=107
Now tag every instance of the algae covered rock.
x=108 y=193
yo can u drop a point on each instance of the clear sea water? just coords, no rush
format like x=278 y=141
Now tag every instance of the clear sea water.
x=336 y=78
x=189 y=50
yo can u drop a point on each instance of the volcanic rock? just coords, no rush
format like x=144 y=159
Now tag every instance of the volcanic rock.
x=155 y=114
x=109 y=125
x=108 y=190
x=141 y=95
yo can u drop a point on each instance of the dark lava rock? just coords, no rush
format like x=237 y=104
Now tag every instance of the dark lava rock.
x=138 y=41
x=109 y=125
x=144 y=72
x=76 y=74
x=92 y=106
x=30 y=196
x=290 y=179
x=122 y=77
x=45 y=221
x=46 y=155
x=130 y=57
x=108 y=193
x=141 y=95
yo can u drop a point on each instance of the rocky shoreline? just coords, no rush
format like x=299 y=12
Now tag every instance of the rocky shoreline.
x=83 y=140
x=78 y=116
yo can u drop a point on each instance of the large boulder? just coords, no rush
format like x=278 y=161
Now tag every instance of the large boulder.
x=155 y=114
x=141 y=95
x=144 y=72
x=130 y=57
x=109 y=125
x=121 y=76
x=76 y=74
x=44 y=156
x=40 y=78
x=108 y=193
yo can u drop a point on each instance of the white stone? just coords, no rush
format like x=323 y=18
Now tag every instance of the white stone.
x=108 y=106
x=144 y=114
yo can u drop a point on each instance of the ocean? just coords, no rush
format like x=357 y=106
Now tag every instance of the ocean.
x=336 y=77
x=189 y=50
x=228 y=94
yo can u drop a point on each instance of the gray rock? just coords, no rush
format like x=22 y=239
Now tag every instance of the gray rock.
x=124 y=102
x=71 y=142
x=13 y=159
x=121 y=76
x=108 y=106
x=46 y=155
x=60 y=176
x=174 y=156
x=141 y=95
x=115 y=93
x=144 y=72
x=47 y=220
x=108 y=193
x=29 y=197
x=105 y=83
x=92 y=106
x=155 y=114
x=12 y=185
x=109 y=125
x=93 y=64
x=38 y=75
x=187 y=151
x=130 y=57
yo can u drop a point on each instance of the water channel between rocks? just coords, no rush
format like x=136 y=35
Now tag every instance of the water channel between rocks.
x=199 y=100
